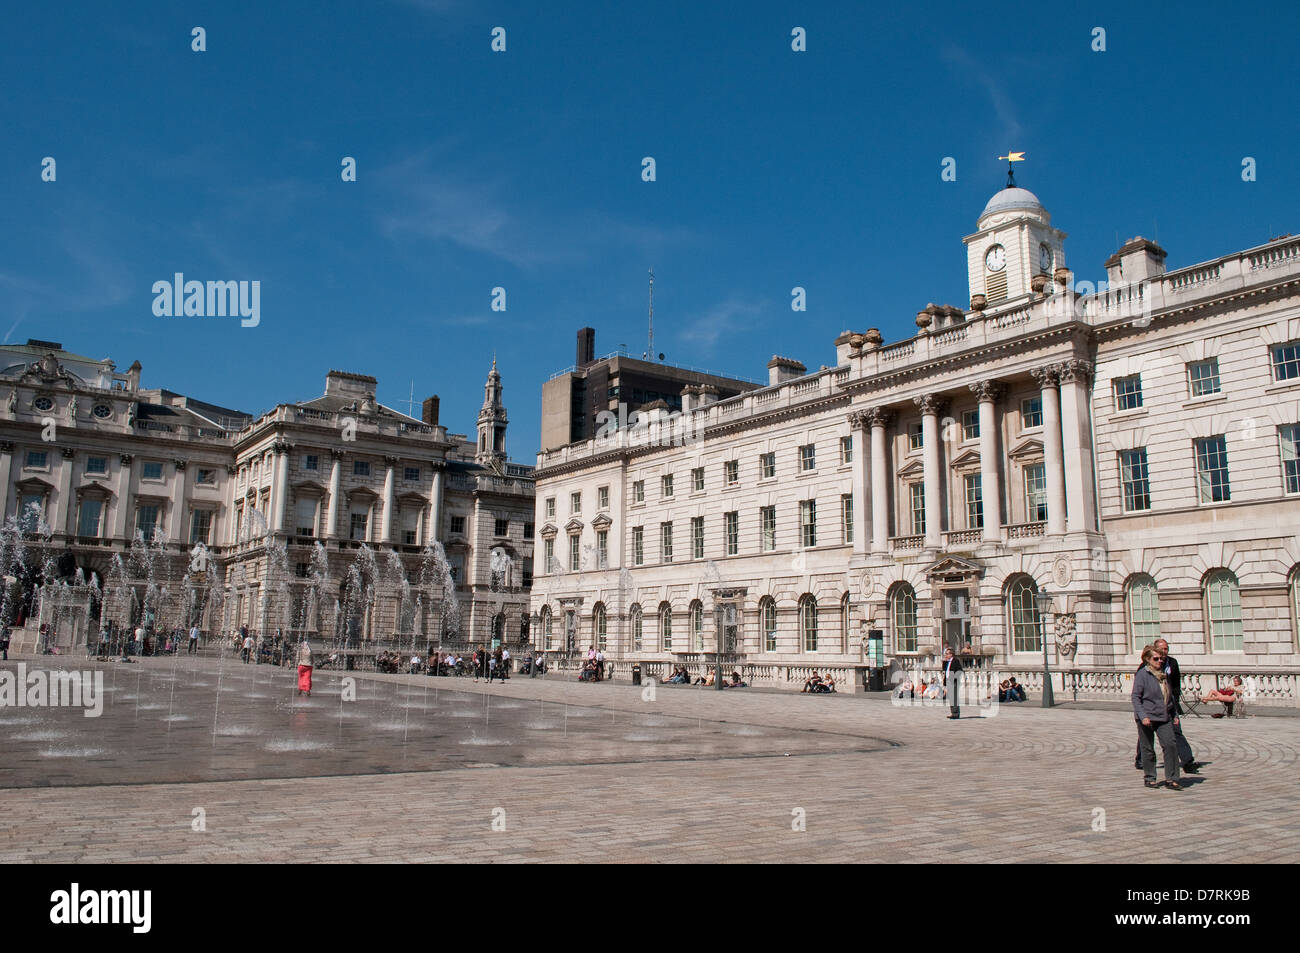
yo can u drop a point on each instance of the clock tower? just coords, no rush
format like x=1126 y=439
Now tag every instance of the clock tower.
x=1015 y=242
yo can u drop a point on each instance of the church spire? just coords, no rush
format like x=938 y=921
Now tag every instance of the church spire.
x=492 y=422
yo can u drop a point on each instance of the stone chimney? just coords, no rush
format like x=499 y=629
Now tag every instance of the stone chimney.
x=586 y=347
x=782 y=369
x=708 y=394
x=133 y=376
x=1138 y=260
x=429 y=412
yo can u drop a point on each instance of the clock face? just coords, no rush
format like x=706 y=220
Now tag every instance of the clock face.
x=43 y=403
x=1044 y=259
x=996 y=259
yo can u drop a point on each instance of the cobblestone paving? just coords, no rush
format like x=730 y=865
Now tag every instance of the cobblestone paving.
x=692 y=775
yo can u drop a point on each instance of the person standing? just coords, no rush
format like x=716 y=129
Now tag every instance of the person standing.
x=4 y=642
x=1155 y=714
x=304 y=667
x=248 y=645
x=103 y=642
x=505 y=663
x=1175 y=679
x=952 y=681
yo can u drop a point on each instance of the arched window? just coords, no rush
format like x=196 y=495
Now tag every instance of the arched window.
x=1223 y=609
x=904 y=613
x=665 y=627
x=1143 y=604
x=767 y=619
x=548 y=631
x=1022 y=615
x=844 y=622
x=697 y=625
x=808 y=622
x=1295 y=603
x=635 y=614
x=601 y=624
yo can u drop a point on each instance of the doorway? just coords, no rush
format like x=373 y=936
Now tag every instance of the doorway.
x=956 y=618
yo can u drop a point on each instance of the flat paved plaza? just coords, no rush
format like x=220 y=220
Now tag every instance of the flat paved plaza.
x=424 y=769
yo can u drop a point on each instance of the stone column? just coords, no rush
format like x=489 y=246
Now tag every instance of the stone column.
x=122 y=504
x=932 y=405
x=988 y=392
x=67 y=504
x=332 y=506
x=180 y=495
x=6 y=470
x=1053 y=455
x=878 y=418
x=280 y=486
x=1081 y=509
x=435 y=504
x=858 y=424
x=386 y=526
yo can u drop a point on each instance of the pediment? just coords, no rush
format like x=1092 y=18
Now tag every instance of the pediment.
x=602 y=521
x=954 y=566
x=362 y=493
x=574 y=525
x=968 y=460
x=34 y=485
x=411 y=497
x=914 y=470
x=309 y=486
x=1030 y=447
x=549 y=531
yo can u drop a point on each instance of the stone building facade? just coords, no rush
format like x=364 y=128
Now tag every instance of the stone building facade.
x=1126 y=449
x=339 y=517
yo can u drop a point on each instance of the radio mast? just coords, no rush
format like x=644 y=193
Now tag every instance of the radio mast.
x=650 y=354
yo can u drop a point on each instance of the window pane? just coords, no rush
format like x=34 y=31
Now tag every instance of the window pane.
x=1212 y=469
x=905 y=619
x=1224 y=600
x=1026 y=632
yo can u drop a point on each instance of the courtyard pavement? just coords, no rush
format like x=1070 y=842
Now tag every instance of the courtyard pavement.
x=200 y=760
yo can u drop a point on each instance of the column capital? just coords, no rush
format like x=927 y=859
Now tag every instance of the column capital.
x=391 y=461
x=931 y=403
x=179 y=464
x=6 y=446
x=1075 y=370
x=859 y=420
x=126 y=459
x=68 y=453
x=338 y=454
x=1047 y=376
x=879 y=416
x=439 y=466
x=988 y=391
x=281 y=447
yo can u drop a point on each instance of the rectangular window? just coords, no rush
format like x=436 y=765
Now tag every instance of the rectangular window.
x=548 y=560
x=361 y=468
x=846 y=512
x=808 y=457
x=1036 y=493
x=458 y=524
x=916 y=501
x=575 y=552
x=358 y=526
x=915 y=436
x=305 y=510
x=575 y=502
x=1031 y=412
x=970 y=425
x=732 y=527
x=200 y=527
x=767 y=519
x=638 y=545
x=666 y=485
x=1128 y=392
x=411 y=473
x=846 y=449
x=697 y=479
x=528 y=531
x=206 y=477
x=408 y=537
x=151 y=470
x=146 y=521
x=602 y=549
x=602 y=498
x=666 y=542
x=638 y=491
x=697 y=537
x=974 y=501
x=808 y=522
x=311 y=461
x=1203 y=377
x=1286 y=361
x=550 y=508
x=1133 y=477
x=1289 y=436
x=37 y=459
x=528 y=576
x=31 y=510
x=732 y=472
x=767 y=465
x=88 y=518
x=501 y=527
x=1212 y=469
x=100 y=465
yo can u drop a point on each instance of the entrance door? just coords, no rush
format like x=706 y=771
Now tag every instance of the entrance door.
x=956 y=618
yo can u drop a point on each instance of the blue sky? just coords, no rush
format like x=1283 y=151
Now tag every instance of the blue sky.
x=522 y=170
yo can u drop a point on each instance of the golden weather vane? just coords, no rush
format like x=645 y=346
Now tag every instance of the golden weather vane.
x=1011 y=169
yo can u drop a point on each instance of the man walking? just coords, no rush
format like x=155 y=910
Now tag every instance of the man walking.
x=1174 y=680
x=248 y=645
x=952 y=681
x=194 y=638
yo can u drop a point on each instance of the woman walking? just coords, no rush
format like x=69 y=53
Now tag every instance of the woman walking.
x=304 y=668
x=1156 y=715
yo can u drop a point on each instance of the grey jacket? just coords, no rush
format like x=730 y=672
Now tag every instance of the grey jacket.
x=1149 y=700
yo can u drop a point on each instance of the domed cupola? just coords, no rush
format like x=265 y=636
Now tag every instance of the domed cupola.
x=1014 y=247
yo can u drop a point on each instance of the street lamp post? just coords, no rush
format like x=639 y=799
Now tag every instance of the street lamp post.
x=1044 y=600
